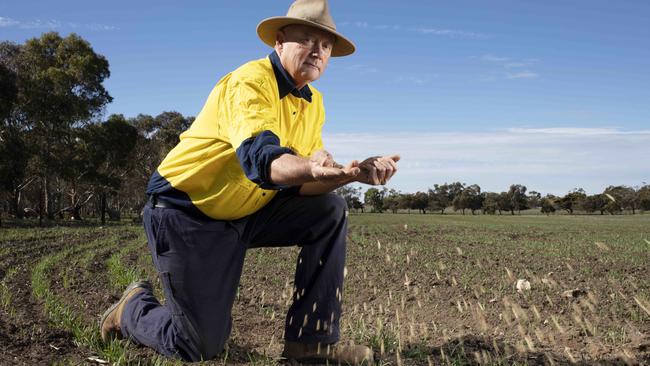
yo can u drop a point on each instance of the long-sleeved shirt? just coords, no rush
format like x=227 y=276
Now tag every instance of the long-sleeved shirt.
x=221 y=166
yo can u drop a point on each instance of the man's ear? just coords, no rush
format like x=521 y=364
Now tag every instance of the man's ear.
x=279 y=41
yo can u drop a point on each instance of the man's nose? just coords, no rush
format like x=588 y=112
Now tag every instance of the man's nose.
x=318 y=49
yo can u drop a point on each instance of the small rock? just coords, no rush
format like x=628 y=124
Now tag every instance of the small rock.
x=522 y=285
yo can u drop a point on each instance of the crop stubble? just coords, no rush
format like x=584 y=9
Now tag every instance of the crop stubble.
x=421 y=289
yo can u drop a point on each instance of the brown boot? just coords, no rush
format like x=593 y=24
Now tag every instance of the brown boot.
x=109 y=324
x=332 y=353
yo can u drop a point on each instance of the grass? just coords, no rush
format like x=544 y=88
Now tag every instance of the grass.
x=120 y=275
x=57 y=311
x=5 y=292
x=415 y=285
x=62 y=315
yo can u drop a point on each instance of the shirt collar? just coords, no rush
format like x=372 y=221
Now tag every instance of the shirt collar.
x=286 y=84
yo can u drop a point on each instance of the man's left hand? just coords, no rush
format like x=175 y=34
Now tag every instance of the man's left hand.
x=378 y=169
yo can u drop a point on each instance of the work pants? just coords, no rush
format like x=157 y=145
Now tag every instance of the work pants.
x=200 y=261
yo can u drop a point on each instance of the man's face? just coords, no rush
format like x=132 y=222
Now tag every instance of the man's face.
x=304 y=52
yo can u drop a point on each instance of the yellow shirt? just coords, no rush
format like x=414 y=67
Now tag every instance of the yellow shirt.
x=242 y=104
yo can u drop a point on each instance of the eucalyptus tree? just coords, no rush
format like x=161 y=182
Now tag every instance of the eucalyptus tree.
x=59 y=88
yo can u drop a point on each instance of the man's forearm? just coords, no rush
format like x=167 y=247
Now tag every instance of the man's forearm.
x=290 y=170
x=316 y=188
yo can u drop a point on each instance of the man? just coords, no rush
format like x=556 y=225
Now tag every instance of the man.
x=251 y=171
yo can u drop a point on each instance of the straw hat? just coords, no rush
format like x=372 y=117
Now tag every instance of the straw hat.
x=313 y=13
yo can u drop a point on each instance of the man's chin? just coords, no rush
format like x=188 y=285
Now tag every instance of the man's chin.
x=311 y=76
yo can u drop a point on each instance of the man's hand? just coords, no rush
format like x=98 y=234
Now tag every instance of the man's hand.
x=324 y=169
x=322 y=158
x=378 y=169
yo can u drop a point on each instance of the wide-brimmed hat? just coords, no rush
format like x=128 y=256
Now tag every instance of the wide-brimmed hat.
x=313 y=13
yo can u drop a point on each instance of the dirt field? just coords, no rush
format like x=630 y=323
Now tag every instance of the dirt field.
x=420 y=289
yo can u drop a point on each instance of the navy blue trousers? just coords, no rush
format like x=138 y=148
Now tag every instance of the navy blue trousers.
x=200 y=261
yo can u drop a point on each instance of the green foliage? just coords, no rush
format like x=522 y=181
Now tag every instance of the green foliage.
x=548 y=204
x=104 y=150
x=375 y=198
x=490 y=202
x=469 y=198
x=595 y=202
x=392 y=200
x=517 y=197
x=644 y=197
x=351 y=196
x=14 y=156
x=442 y=196
x=8 y=91
x=533 y=199
x=504 y=203
x=624 y=198
x=420 y=201
x=572 y=200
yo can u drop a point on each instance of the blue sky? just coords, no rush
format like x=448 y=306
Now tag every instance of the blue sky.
x=551 y=94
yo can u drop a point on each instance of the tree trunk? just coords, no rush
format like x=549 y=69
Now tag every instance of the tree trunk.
x=75 y=202
x=15 y=203
x=47 y=196
x=102 y=206
x=42 y=204
x=76 y=213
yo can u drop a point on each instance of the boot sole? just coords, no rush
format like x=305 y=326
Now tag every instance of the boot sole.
x=131 y=287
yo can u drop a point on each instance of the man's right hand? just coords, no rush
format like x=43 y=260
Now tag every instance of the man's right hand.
x=324 y=169
x=292 y=170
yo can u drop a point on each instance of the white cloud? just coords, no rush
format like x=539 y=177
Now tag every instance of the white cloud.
x=452 y=33
x=575 y=131
x=509 y=63
x=387 y=26
x=8 y=22
x=492 y=58
x=101 y=27
x=414 y=80
x=362 y=69
x=410 y=80
x=51 y=24
x=548 y=160
x=522 y=75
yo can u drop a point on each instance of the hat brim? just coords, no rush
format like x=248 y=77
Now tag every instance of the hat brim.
x=268 y=29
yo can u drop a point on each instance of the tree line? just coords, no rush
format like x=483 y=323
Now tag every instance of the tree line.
x=462 y=197
x=60 y=158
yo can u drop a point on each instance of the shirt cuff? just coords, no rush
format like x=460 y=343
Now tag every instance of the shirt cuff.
x=255 y=155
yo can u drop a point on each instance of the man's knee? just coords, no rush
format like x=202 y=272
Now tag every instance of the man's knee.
x=334 y=205
x=201 y=347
